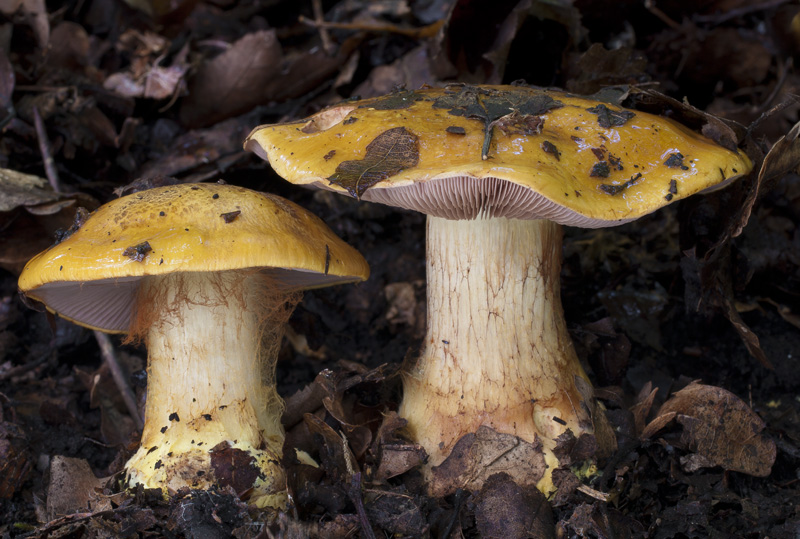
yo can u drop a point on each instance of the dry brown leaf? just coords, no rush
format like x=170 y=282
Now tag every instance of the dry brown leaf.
x=504 y=510
x=477 y=456
x=72 y=488
x=69 y=47
x=234 y=81
x=15 y=458
x=396 y=513
x=603 y=439
x=34 y=13
x=642 y=408
x=720 y=427
x=337 y=458
x=30 y=213
x=412 y=70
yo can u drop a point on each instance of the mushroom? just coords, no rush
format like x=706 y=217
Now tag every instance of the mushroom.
x=497 y=169
x=206 y=275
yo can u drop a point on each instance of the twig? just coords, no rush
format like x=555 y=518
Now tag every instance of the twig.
x=418 y=33
x=650 y=5
x=355 y=496
x=319 y=20
x=110 y=357
x=22 y=369
x=47 y=154
x=596 y=494
x=458 y=499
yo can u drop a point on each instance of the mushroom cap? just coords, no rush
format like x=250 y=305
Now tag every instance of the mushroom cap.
x=92 y=276
x=462 y=152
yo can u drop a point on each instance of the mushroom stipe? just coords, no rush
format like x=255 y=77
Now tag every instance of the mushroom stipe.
x=209 y=296
x=497 y=353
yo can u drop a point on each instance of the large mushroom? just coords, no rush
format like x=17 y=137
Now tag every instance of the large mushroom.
x=497 y=170
x=206 y=275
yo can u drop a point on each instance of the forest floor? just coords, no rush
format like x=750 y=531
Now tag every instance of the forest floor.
x=96 y=94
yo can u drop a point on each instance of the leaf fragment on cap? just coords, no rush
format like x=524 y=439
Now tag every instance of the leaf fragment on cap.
x=390 y=152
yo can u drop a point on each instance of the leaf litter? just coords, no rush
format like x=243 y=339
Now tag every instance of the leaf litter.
x=151 y=93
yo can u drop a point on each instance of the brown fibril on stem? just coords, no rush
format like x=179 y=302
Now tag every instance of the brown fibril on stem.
x=218 y=335
x=210 y=297
x=497 y=351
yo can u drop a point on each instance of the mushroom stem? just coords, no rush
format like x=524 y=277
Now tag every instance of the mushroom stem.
x=212 y=415
x=497 y=350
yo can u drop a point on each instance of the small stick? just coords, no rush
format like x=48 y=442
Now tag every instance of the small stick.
x=110 y=357
x=650 y=5
x=457 y=500
x=596 y=494
x=355 y=496
x=47 y=154
x=319 y=19
x=419 y=33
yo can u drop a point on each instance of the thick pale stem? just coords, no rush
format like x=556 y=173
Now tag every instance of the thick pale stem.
x=212 y=414
x=497 y=350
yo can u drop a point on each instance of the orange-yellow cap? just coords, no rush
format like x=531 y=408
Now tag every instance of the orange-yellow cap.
x=503 y=151
x=92 y=276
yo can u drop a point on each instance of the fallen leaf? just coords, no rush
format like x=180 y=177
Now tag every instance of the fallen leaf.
x=719 y=427
x=504 y=510
x=15 y=459
x=34 y=13
x=394 y=456
x=479 y=455
x=641 y=409
x=234 y=81
x=598 y=68
x=69 y=47
x=72 y=488
x=389 y=153
x=395 y=512
x=337 y=458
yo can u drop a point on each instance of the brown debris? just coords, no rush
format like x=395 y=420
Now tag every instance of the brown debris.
x=137 y=253
x=504 y=509
x=116 y=84
x=233 y=82
x=477 y=456
x=718 y=427
x=72 y=488
x=15 y=459
x=390 y=152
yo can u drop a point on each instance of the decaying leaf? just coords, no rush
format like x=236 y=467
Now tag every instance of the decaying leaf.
x=30 y=215
x=396 y=513
x=337 y=458
x=73 y=487
x=233 y=82
x=644 y=402
x=19 y=189
x=504 y=510
x=720 y=427
x=493 y=107
x=395 y=456
x=600 y=520
x=15 y=459
x=479 y=455
x=389 y=153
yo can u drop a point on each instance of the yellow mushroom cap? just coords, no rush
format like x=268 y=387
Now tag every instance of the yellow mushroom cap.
x=92 y=276
x=500 y=151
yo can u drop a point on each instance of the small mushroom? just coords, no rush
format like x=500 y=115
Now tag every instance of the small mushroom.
x=209 y=297
x=497 y=351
